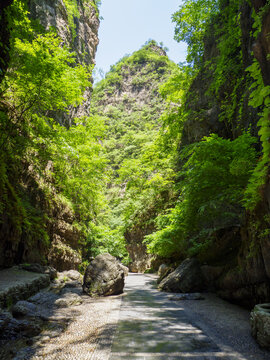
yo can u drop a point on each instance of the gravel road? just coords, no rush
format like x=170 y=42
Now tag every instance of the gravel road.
x=145 y=324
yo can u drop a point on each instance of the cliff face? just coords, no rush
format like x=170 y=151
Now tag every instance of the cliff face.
x=79 y=32
x=241 y=251
x=207 y=107
x=57 y=239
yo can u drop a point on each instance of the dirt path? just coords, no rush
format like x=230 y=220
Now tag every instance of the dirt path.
x=145 y=324
x=151 y=326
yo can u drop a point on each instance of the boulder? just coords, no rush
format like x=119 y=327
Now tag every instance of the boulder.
x=24 y=308
x=260 y=324
x=186 y=278
x=68 y=299
x=163 y=271
x=104 y=276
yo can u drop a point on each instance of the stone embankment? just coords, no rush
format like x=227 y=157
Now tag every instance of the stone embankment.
x=37 y=305
x=46 y=314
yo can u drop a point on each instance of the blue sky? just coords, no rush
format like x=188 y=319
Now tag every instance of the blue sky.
x=128 y=24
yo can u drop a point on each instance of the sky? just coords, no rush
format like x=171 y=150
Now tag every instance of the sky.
x=128 y=24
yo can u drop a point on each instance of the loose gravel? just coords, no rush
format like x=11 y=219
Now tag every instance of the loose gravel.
x=132 y=326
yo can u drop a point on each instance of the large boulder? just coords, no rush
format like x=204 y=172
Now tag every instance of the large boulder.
x=104 y=276
x=186 y=278
x=163 y=271
x=260 y=324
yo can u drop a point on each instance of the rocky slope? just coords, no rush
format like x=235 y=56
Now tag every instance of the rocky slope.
x=130 y=101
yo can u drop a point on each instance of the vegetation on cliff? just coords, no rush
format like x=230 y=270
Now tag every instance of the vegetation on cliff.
x=43 y=164
x=140 y=175
x=208 y=159
x=218 y=178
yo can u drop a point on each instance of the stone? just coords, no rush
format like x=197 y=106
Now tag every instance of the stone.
x=104 y=276
x=71 y=274
x=43 y=298
x=125 y=268
x=28 y=328
x=16 y=284
x=260 y=324
x=211 y=274
x=37 y=268
x=62 y=256
x=11 y=328
x=163 y=271
x=68 y=299
x=24 y=308
x=5 y=318
x=186 y=278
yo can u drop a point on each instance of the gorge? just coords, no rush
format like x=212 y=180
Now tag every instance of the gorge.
x=156 y=163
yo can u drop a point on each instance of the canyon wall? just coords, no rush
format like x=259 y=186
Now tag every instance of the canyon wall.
x=60 y=244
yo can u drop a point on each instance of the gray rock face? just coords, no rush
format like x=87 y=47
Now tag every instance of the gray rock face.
x=186 y=278
x=260 y=324
x=104 y=276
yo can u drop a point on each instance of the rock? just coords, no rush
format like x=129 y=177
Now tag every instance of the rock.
x=51 y=271
x=68 y=299
x=5 y=318
x=43 y=298
x=66 y=279
x=260 y=324
x=211 y=274
x=104 y=276
x=140 y=259
x=27 y=328
x=192 y=296
x=71 y=274
x=24 y=308
x=37 y=268
x=62 y=256
x=11 y=328
x=16 y=284
x=125 y=268
x=163 y=271
x=186 y=278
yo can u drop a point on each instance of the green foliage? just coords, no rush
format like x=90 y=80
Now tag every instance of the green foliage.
x=192 y=20
x=213 y=180
x=42 y=83
x=140 y=181
x=259 y=98
x=72 y=12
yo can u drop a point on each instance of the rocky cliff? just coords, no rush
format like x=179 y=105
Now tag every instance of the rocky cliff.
x=37 y=225
x=239 y=258
x=78 y=30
